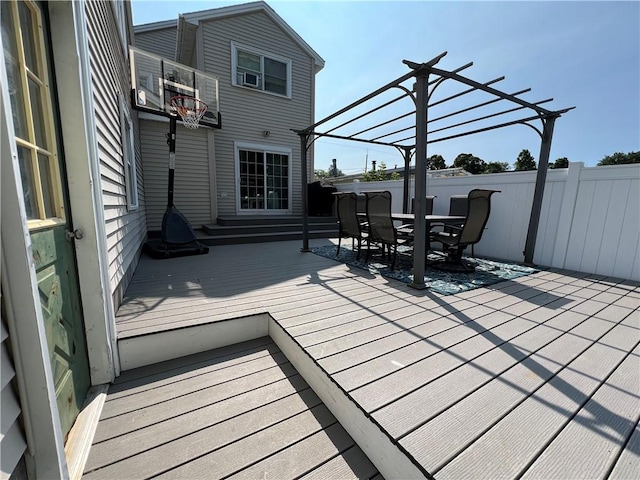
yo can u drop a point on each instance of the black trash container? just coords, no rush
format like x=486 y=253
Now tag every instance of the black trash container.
x=320 y=199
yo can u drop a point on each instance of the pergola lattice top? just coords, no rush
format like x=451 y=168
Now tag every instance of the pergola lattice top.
x=489 y=109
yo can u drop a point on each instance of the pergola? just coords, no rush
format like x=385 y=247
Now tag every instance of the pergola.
x=411 y=138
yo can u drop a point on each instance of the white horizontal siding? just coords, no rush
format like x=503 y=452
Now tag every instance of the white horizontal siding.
x=247 y=113
x=161 y=42
x=192 y=193
x=110 y=78
x=12 y=441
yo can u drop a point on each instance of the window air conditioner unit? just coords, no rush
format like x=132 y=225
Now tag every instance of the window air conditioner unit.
x=250 y=79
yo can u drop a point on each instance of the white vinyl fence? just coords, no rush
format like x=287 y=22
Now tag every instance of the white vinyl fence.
x=590 y=219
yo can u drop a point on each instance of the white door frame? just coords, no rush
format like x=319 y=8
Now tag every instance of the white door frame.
x=45 y=443
x=76 y=106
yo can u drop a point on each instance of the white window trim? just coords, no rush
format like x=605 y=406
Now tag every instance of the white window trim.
x=265 y=148
x=120 y=12
x=128 y=156
x=234 y=68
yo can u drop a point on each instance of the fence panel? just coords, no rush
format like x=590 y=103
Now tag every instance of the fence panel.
x=593 y=227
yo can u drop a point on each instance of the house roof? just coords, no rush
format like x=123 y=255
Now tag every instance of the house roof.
x=149 y=27
x=252 y=7
x=187 y=22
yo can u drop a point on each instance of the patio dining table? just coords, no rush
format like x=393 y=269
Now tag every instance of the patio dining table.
x=430 y=220
x=448 y=219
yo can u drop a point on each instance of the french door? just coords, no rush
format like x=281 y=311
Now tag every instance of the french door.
x=264 y=178
x=44 y=190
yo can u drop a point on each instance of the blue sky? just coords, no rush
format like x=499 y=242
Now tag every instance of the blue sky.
x=582 y=54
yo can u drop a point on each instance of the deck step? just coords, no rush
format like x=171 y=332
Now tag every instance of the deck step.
x=149 y=351
x=237 y=230
x=224 y=238
x=246 y=220
x=240 y=411
x=259 y=229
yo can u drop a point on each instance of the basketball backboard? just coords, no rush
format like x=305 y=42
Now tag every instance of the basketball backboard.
x=154 y=80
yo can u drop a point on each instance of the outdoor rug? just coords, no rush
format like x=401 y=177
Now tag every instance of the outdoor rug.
x=449 y=282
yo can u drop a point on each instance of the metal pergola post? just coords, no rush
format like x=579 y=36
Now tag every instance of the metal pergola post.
x=304 y=138
x=421 y=94
x=541 y=177
x=420 y=224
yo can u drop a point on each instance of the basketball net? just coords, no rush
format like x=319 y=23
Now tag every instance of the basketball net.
x=190 y=109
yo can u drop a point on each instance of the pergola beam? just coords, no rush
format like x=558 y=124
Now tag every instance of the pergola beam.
x=479 y=105
x=465 y=92
x=421 y=94
x=390 y=102
x=353 y=139
x=484 y=117
x=493 y=91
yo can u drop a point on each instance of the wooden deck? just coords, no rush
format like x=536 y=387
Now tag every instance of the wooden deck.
x=236 y=412
x=530 y=378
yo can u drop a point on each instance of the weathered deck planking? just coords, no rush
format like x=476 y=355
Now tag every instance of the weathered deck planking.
x=275 y=426
x=527 y=377
x=472 y=416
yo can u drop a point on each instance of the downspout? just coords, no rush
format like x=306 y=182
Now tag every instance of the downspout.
x=534 y=219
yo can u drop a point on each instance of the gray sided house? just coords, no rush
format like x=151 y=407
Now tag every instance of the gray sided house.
x=251 y=166
x=84 y=178
x=73 y=220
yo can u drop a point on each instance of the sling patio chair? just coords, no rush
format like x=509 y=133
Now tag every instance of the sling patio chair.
x=381 y=228
x=429 y=209
x=455 y=238
x=458 y=208
x=350 y=225
x=407 y=228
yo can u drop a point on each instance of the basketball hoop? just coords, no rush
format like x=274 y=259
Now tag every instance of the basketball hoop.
x=190 y=109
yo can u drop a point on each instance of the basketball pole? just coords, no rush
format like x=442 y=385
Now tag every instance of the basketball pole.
x=171 y=141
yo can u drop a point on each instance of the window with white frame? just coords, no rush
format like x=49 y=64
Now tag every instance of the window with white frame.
x=264 y=176
x=261 y=70
x=128 y=156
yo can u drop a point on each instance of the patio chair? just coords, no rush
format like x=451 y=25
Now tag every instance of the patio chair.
x=457 y=207
x=407 y=228
x=381 y=228
x=348 y=221
x=455 y=238
x=429 y=209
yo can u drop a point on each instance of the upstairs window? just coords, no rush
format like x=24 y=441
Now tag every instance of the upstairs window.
x=261 y=71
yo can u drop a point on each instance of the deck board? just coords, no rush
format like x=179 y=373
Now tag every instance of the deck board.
x=513 y=372
x=628 y=464
x=273 y=426
x=600 y=427
x=473 y=416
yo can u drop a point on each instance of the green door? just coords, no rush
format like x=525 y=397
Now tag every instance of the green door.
x=24 y=41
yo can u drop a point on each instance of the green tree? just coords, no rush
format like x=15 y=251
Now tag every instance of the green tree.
x=525 y=161
x=328 y=173
x=470 y=163
x=620 y=158
x=436 y=162
x=496 y=167
x=562 y=162
x=378 y=175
